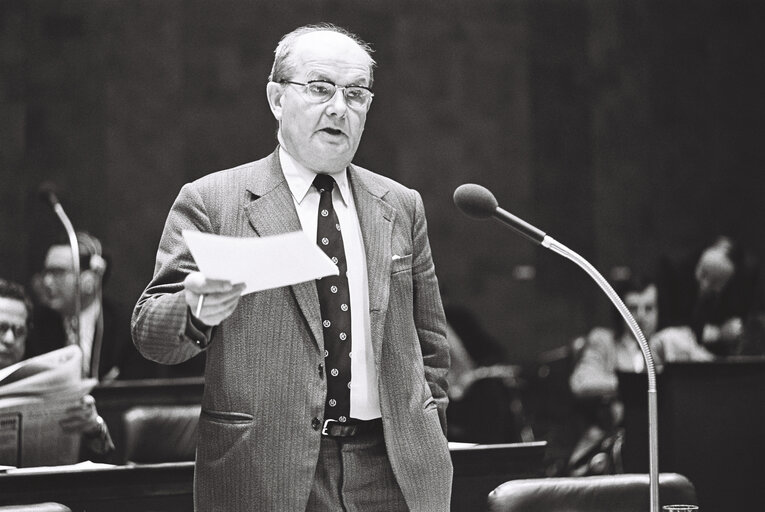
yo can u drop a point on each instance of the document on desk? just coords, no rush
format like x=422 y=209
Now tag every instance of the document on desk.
x=261 y=263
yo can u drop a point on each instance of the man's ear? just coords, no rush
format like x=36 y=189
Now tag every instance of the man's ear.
x=275 y=93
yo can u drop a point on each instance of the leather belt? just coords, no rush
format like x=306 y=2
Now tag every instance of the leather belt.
x=333 y=428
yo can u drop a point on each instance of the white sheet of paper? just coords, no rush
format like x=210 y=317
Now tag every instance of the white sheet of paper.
x=259 y=262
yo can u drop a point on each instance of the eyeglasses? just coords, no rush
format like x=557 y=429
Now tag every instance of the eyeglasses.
x=18 y=330
x=55 y=273
x=356 y=97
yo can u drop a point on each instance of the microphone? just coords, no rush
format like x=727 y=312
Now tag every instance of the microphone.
x=47 y=193
x=479 y=203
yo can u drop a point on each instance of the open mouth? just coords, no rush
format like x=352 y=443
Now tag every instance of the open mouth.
x=331 y=131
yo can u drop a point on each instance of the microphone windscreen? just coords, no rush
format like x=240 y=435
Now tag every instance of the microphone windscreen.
x=47 y=193
x=475 y=201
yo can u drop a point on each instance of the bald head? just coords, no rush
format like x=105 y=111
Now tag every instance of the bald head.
x=714 y=269
x=293 y=46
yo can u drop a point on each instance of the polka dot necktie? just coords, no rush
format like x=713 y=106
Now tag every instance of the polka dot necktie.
x=335 y=304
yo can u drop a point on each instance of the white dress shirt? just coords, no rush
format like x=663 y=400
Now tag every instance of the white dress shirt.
x=365 y=402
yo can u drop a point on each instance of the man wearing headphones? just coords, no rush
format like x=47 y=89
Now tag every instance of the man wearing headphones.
x=100 y=330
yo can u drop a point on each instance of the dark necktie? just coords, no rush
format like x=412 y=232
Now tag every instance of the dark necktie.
x=335 y=303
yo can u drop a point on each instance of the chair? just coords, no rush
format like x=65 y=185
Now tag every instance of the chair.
x=609 y=493
x=36 y=507
x=160 y=433
x=491 y=409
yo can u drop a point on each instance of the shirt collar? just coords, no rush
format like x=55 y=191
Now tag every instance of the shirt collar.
x=300 y=179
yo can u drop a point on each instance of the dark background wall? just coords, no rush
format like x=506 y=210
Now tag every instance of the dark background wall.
x=626 y=129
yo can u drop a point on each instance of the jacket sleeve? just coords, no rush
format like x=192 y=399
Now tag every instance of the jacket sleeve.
x=594 y=374
x=429 y=317
x=161 y=326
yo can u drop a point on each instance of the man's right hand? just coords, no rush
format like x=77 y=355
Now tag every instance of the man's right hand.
x=220 y=297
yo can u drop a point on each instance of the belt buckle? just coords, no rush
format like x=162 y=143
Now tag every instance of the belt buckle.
x=327 y=422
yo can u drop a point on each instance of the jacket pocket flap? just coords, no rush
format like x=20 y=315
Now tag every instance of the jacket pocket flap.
x=227 y=416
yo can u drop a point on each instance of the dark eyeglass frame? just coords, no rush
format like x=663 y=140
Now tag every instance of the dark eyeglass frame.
x=18 y=330
x=367 y=98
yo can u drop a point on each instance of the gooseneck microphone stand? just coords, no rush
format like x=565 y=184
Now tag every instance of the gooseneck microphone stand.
x=653 y=411
x=73 y=244
x=47 y=194
x=478 y=202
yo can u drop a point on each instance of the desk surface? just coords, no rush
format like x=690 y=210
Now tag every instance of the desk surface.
x=168 y=487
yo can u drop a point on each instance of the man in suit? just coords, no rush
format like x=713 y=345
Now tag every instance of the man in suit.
x=56 y=321
x=102 y=328
x=277 y=431
x=15 y=322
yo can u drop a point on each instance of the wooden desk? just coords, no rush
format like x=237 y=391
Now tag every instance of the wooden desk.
x=168 y=487
x=479 y=469
x=121 y=394
x=165 y=487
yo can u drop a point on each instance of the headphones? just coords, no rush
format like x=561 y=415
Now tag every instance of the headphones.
x=92 y=246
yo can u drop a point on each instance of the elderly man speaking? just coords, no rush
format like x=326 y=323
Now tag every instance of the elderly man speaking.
x=328 y=394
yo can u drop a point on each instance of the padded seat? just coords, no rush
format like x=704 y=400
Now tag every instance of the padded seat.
x=609 y=493
x=160 y=433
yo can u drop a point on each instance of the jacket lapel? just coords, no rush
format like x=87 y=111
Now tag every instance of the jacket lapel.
x=376 y=218
x=272 y=212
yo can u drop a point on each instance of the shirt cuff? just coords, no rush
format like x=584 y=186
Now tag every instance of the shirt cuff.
x=197 y=331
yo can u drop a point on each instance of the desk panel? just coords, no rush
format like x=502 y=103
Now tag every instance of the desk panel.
x=711 y=422
x=168 y=487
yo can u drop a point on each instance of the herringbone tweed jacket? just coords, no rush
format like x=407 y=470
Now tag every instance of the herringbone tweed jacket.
x=258 y=446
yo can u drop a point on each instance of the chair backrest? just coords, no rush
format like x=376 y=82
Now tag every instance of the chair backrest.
x=160 y=433
x=36 y=507
x=490 y=411
x=609 y=493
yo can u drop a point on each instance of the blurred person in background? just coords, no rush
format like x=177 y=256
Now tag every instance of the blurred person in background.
x=15 y=323
x=717 y=292
x=603 y=353
x=15 y=319
x=606 y=351
x=104 y=327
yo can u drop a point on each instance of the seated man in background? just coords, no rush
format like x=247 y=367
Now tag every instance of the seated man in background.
x=15 y=315
x=604 y=352
x=717 y=292
x=104 y=328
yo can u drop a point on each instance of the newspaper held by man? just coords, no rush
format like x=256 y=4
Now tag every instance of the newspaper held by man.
x=34 y=396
